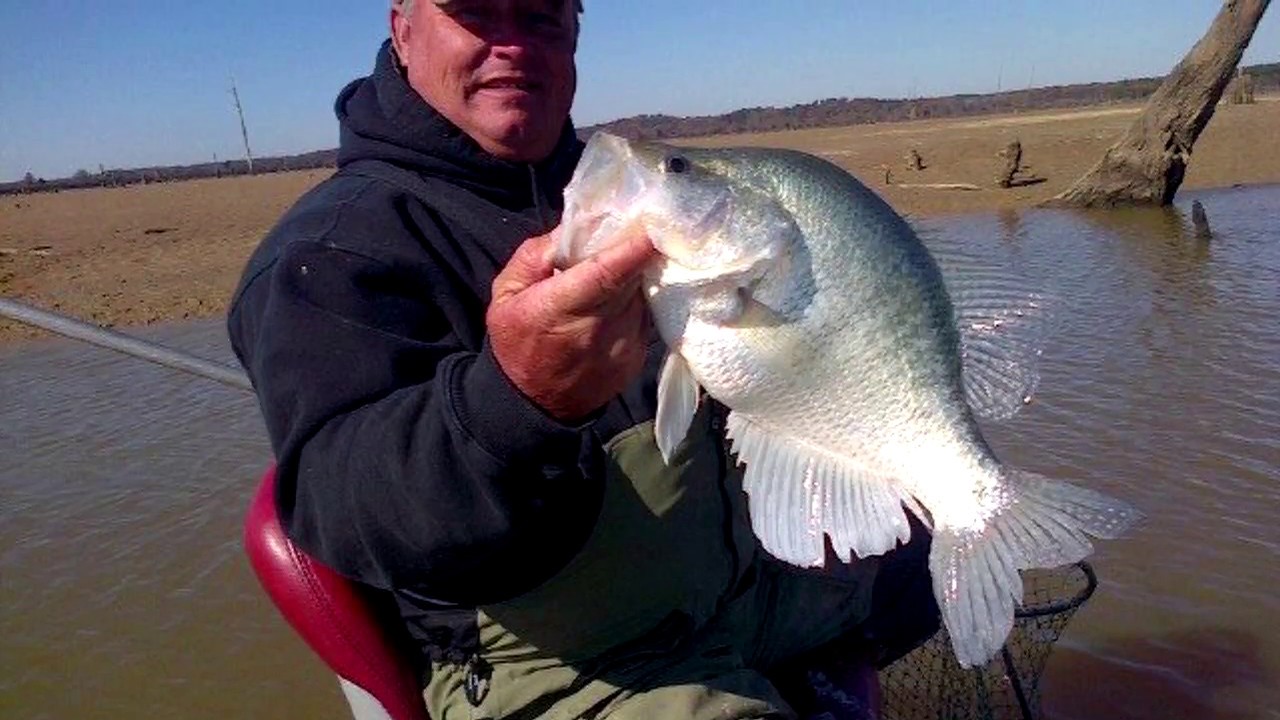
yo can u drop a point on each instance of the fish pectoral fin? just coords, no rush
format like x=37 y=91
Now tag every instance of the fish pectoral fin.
x=757 y=314
x=726 y=305
x=975 y=572
x=1003 y=326
x=798 y=493
x=719 y=304
x=677 y=404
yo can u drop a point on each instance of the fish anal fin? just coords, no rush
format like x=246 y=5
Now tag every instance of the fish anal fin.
x=976 y=578
x=677 y=404
x=797 y=494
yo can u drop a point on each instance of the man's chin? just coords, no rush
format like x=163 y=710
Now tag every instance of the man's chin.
x=519 y=137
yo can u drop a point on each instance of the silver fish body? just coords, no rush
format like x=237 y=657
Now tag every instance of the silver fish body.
x=795 y=296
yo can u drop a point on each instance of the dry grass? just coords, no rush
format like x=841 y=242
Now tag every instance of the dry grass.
x=144 y=254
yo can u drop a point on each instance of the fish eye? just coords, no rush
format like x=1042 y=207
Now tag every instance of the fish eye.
x=675 y=164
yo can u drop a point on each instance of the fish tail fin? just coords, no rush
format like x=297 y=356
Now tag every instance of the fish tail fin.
x=975 y=573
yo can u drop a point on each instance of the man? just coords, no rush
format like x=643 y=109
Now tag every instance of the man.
x=458 y=424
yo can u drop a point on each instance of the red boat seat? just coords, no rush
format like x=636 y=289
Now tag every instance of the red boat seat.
x=347 y=624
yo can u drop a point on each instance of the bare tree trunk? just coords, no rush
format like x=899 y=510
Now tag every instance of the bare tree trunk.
x=244 y=131
x=1147 y=165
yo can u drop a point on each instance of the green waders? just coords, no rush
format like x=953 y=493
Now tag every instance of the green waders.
x=671 y=610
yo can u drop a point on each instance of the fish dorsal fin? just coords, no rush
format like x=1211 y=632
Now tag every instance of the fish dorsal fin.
x=1003 y=325
x=798 y=493
x=677 y=404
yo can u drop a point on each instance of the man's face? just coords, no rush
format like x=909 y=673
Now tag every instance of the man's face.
x=501 y=70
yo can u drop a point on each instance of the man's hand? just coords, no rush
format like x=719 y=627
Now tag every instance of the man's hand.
x=571 y=341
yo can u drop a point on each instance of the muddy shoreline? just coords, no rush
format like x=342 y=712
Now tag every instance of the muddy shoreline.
x=139 y=255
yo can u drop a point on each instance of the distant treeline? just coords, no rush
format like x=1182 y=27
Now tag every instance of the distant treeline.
x=836 y=112
x=833 y=112
x=114 y=177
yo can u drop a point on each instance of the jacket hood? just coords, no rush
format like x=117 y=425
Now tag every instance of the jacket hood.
x=381 y=117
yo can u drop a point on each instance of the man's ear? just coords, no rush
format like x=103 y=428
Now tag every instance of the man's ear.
x=401 y=29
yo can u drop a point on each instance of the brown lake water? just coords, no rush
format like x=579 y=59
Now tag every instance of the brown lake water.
x=124 y=592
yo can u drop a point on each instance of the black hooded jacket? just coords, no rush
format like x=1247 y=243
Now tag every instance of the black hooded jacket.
x=406 y=458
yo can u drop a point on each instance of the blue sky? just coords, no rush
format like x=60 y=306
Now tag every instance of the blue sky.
x=140 y=82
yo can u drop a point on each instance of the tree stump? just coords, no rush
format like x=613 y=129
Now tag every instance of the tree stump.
x=1012 y=156
x=1147 y=165
x=1200 y=221
x=1242 y=89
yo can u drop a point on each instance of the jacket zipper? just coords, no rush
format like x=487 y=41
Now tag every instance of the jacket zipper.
x=537 y=197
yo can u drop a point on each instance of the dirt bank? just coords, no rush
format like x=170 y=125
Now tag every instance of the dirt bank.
x=145 y=254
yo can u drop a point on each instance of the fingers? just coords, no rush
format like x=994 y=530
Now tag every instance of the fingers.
x=609 y=276
x=571 y=340
x=635 y=331
x=604 y=281
x=529 y=265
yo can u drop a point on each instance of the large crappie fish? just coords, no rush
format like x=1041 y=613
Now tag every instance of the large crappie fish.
x=796 y=297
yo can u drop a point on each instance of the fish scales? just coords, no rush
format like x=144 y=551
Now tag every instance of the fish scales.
x=754 y=364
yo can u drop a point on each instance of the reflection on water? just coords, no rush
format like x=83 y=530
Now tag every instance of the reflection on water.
x=122 y=486
x=1205 y=673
